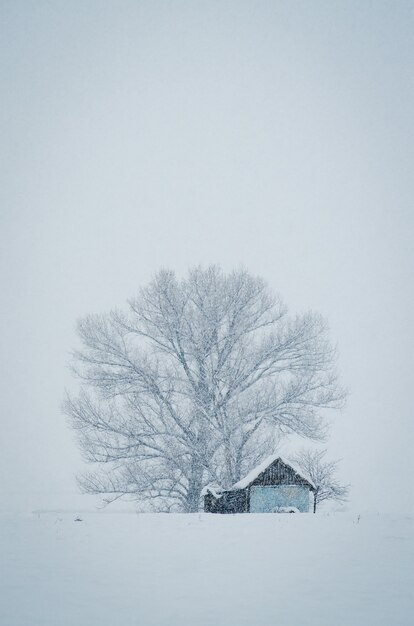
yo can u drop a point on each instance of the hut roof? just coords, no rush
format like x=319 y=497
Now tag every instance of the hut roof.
x=262 y=467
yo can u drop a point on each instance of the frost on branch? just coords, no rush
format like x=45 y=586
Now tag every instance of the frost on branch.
x=322 y=474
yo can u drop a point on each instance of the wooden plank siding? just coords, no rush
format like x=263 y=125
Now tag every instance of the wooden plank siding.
x=278 y=473
x=229 y=502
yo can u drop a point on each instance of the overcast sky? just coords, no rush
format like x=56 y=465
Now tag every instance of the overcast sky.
x=274 y=135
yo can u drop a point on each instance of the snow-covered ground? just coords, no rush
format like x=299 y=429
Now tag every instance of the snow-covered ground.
x=205 y=570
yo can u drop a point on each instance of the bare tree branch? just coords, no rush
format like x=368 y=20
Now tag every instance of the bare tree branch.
x=322 y=474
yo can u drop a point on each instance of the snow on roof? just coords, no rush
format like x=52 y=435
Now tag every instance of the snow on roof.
x=255 y=472
x=215 y=491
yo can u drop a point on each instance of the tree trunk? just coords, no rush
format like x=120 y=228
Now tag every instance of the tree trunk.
x=229 y=469
x=195 y=485
x=315 y=493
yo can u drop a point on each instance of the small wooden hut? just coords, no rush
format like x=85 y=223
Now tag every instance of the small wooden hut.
x=271 y=487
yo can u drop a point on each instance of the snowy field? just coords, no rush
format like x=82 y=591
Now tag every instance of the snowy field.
x=204 y=570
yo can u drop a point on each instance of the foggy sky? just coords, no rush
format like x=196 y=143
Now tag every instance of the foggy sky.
x=273 y=135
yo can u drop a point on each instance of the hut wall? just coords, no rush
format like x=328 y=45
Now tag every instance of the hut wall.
x=268 y=499
x=229 y=502
x=212 y=504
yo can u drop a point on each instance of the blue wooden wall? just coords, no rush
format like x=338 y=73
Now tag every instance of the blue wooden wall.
x=267 y=499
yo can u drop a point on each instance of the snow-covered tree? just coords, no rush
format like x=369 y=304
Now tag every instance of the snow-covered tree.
x=322 y=474
x=194 y=382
